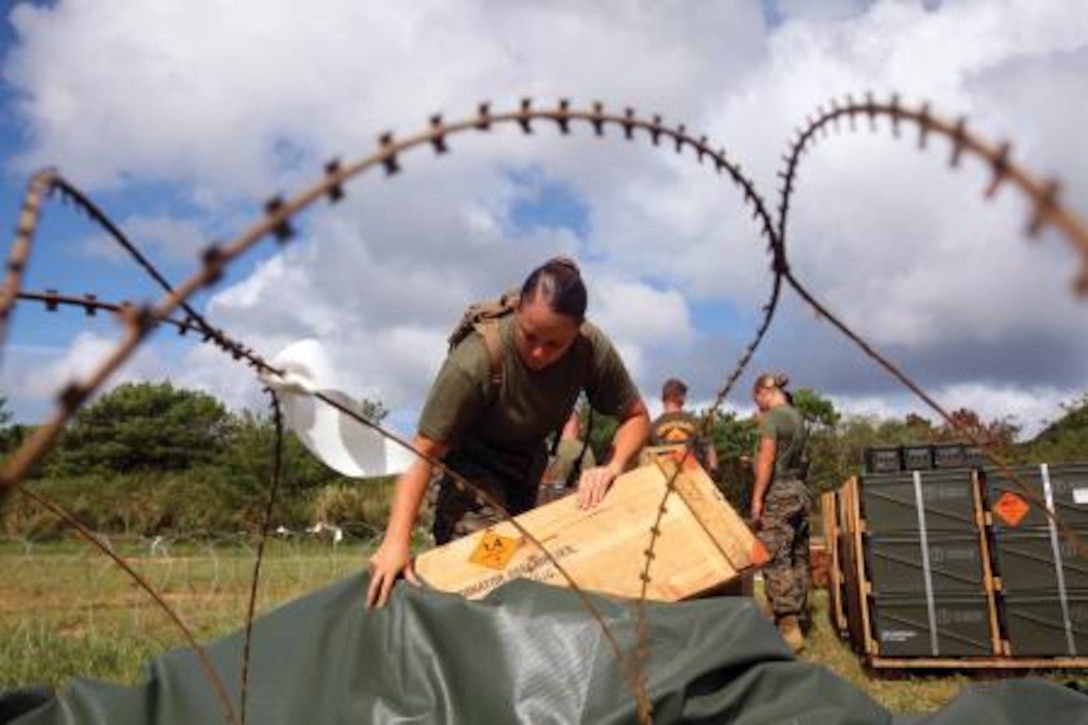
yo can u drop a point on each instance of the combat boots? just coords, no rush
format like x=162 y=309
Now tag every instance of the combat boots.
x=790 y=629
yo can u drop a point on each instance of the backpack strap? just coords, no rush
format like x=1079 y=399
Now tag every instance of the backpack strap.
x=489 y=331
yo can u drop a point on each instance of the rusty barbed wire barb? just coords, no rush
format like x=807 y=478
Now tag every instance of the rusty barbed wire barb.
x=61 y=188
x=526 y=115
x=923 y=126
x=281 y=228
x=483 y=115
x=332 y=170
x=40 y=185
x=439 y=140
x=628 y=123
x=562 y=116
x=597 y=121
x=389 y=153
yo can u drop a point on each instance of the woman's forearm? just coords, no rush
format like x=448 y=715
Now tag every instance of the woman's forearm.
x=629 y=437
x=410 y=489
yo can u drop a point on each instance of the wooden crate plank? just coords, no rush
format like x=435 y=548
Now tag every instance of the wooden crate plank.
x=720 y=521
x=603 y=548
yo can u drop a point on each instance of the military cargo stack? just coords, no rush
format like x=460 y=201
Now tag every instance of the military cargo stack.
x=926 y=561
x=1040 y=523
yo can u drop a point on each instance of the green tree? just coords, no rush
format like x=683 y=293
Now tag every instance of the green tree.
x=1064 y=440
x=818 y=410
x=145 y=426
x=734 y=439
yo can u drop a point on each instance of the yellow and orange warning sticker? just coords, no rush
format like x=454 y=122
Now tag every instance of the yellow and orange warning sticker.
x=494 y=550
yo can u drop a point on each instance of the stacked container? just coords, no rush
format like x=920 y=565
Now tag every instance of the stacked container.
x=1040 y=529
x=927 y=564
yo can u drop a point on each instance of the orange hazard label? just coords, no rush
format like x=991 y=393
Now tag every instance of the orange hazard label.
x=1011 y=509
x=494 y=550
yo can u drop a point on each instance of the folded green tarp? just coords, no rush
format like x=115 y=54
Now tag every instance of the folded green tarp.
x=529 y=653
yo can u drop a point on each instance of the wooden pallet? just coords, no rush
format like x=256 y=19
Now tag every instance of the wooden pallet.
x=977 y=663
x=829 y=513
x=703 y=544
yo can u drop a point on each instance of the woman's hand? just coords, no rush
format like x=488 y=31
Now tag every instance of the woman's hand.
x=394 y=556
x=756 y=510
x=392 y=559
x=594 y=484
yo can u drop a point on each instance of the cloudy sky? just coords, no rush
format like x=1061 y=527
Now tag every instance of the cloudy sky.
x=182 y=119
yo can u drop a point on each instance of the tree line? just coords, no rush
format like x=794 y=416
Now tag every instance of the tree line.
x=150 y=458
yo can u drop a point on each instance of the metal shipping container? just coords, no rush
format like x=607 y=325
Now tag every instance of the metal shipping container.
x=883 y=459
x=1047 y=626
x=917 y=457
x=1065 y=487
x=1028 y=561
x=949 y=564
x=956 y=626
x=947 y=499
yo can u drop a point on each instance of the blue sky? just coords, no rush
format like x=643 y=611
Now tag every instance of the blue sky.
x=180 y=132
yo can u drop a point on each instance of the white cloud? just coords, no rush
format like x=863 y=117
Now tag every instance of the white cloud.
x=1031 y=408
x=232 y=103
x=34 y=374
x=168 y=237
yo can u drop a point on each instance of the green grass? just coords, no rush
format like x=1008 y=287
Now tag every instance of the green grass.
x=66 y=611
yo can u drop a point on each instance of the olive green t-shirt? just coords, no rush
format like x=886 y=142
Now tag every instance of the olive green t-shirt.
x=531 y=404
x=785 y=425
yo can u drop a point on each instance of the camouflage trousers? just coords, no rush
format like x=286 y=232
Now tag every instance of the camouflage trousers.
x=506 y=481
x=784 y=530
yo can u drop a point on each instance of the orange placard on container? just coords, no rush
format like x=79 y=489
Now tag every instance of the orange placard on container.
x=1011 y=508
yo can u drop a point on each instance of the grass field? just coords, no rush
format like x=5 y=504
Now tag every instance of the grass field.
x=66 y=610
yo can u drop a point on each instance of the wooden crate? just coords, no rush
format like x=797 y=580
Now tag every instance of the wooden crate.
x=833 y=535
x=703 y=543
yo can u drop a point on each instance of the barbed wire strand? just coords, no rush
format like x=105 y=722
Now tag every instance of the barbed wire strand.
x=266 y=525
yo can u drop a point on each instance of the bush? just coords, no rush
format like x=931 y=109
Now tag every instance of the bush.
x=365 y=504
x=187 y=503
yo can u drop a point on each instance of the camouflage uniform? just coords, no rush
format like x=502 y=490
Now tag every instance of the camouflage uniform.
x=784 y=531
x=505 y=478
x=784 y=527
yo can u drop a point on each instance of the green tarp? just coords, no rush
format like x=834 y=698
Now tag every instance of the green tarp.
x=529 y=653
